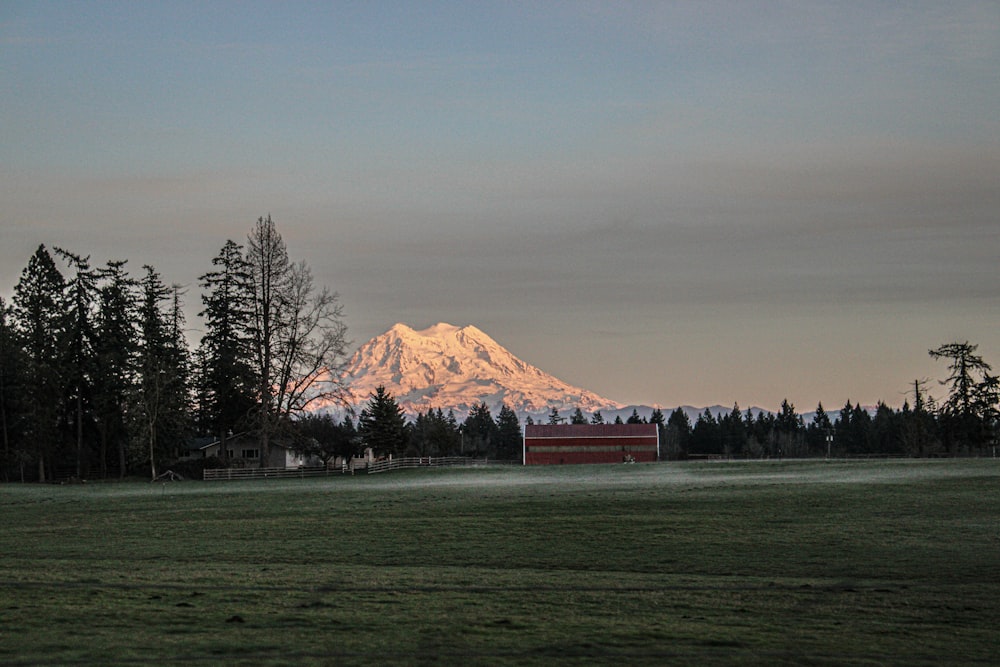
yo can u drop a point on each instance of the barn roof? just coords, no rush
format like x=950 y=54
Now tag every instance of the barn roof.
x=589 y=430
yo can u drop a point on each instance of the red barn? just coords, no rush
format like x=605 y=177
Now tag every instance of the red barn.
x=590 y=443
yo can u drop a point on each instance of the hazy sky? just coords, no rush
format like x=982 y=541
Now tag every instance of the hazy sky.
x=663 y=202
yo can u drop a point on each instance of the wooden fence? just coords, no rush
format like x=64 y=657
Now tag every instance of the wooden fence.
x=423 y=462
x=216 y=474
x=223 y=474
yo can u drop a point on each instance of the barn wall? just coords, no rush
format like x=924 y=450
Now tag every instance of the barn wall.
x=578 y=444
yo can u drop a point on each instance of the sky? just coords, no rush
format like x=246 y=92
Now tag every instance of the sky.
x=662 y=202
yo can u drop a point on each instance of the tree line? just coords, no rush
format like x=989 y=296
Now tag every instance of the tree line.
x=97 y=378
x=383 y=427
x=965 y=423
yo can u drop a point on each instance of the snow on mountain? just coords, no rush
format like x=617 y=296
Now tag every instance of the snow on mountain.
x=450 y=367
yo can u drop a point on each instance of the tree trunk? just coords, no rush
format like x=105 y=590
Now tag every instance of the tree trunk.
x=121 y=458
x=152 y=450
x=79 y=436
x=104 y=452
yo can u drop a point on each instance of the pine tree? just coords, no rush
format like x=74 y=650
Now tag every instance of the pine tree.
x=733 y=432
x=161 y=397
x=114 y=350
x=509 y=437
x=227 y=381
x=381 y=424
x=969 y=413
x=39 y=313
x=789 y=431
x=11 y=390
x=706 y=437
x=79 y=370
x=322 y=437
x=480 y=433
x=819 y=432
x=677 y=434
x=177 y=424
x=577 y=417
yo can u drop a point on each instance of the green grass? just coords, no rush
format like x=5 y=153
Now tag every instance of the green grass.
x=866 y=563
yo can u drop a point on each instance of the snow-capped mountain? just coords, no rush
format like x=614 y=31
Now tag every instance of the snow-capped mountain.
x=456 y=368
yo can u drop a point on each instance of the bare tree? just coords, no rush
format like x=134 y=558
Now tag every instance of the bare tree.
x=298 y=334
x=312 y=346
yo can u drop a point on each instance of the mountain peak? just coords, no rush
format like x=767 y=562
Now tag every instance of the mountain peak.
x=451 y=367
x=439 y=329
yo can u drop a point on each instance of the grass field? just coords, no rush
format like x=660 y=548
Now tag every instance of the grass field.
x=866 y=563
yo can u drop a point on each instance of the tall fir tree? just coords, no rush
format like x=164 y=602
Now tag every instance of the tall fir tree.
x=160 y=397
x=509 y=435
x=114 y=350
x=227 y=381
x=381 y=424
x=479 y=432
x=40 y=317
x=969 y=414
x=11 y=391
x=79 y=365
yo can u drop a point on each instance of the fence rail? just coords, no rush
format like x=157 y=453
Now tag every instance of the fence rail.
x=223 y=474
x=423 y=462
x=216 y=474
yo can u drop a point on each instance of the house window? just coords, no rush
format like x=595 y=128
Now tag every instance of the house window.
x=251 y=454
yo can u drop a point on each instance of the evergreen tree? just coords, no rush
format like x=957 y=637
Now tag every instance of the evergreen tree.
x=480 y=433
x=78 y=367
x=381 y=424
x=554 y=417
x=227 y=383
x=918 y=427
x=434 y=434
x=11 y=391
x=114 y=350
x=634 y=418
x=509 y=437
x=39 y=313
x=852 y=430
x=177 y=425
x=322 y=437
x=819 y=431
x=733 y=432
x=450 y=438
x=597 y=418
x=577 y=417
x=677 y=435
x=969 y=413
x=886 y=437
x=706 y=436
x=789 y=431
x=160 y=397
